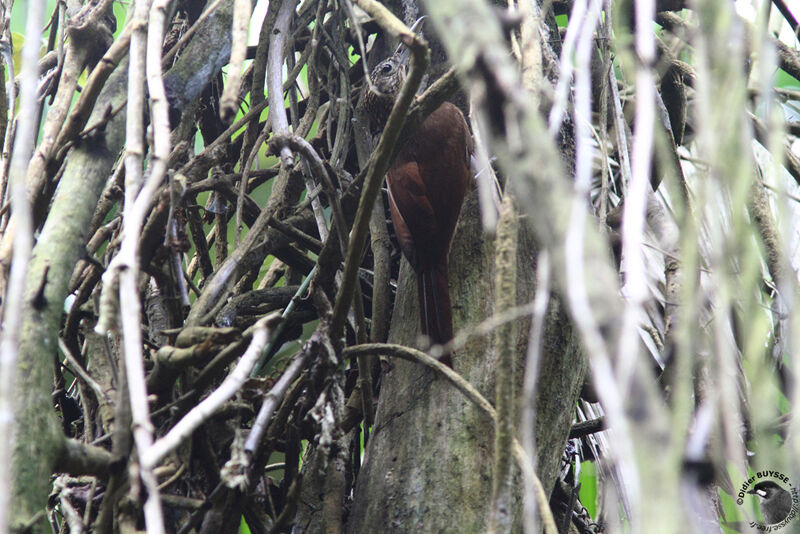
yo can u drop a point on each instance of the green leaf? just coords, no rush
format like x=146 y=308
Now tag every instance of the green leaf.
x=784 y=80
x=18 y=40
x=588 y=491
x=121 y=14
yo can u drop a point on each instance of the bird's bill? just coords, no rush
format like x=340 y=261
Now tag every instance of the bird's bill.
x=402 y=51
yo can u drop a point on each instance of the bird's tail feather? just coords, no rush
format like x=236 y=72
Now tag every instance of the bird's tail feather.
x=435 y=312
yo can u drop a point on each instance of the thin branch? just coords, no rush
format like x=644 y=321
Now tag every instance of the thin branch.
x=299 y=144
x=272 y=400
x=275 y=59
x=190 y=32
x=312 y=192
x=620 y=125
x=534 y=357
x=8 y=134
x=79 y=115
x=635 y=206
x=262 y=136
x=302 y=238
x=229 y=102
x=580 y=32
x=71 y=516
x=428 y=102
x=298 y=295
x=77 y=369
x=196 y=169
x=577 y=290
x=183 y=429
x=78 y=458
x=788 y=15
x=485 y=177
x=159 y=108
x=585 y=428
x=126 y=263
x=72 y=67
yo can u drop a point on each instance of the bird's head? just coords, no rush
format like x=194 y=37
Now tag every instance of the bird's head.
x=766 y=490
x=775 y=501
x=388 y=76
x=385 y=82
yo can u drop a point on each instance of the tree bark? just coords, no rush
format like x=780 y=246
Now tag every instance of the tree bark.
x=40 y=440
x=428 y=462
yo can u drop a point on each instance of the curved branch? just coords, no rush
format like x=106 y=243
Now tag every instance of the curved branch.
x=473 y=395
x=277 y=43
x=192 y=420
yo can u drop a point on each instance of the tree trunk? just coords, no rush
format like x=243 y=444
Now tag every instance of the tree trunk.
x=428 y=462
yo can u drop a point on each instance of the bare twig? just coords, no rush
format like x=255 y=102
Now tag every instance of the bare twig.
x=248 y=164
x=177 y=267
x=76 y=121
x=229 y=102
x=214 y=151
x=191 y=31
x=272 y=400
x=297 y=297
x=635 y=205
x=184 y=428
x=312 y=192
x=620 y=126
x=788 y=15
x=71 y=515
x=577 y=294
x=485 y=177
x=125 y=264
x=56 y=115
x=79 y=371
x=318 y=167
x=275 y=59
x=158 y=101
x=8 y=135
x=528 y=416
x=580 y=34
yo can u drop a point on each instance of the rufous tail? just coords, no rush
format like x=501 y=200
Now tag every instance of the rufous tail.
x=436 y=317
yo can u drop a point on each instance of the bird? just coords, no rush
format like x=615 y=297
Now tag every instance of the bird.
x=427 y=182
x=776 y=502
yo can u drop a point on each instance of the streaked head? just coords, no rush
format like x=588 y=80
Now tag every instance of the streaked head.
x=387 y=77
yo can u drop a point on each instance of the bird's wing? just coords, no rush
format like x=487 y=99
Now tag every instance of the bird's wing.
x=412 y=213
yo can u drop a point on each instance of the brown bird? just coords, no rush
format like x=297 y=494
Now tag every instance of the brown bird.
x=427 y=183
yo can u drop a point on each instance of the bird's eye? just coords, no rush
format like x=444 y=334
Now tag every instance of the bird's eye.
x=386 y=68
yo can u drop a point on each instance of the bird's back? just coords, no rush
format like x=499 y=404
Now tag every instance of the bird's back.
x=429 y=179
